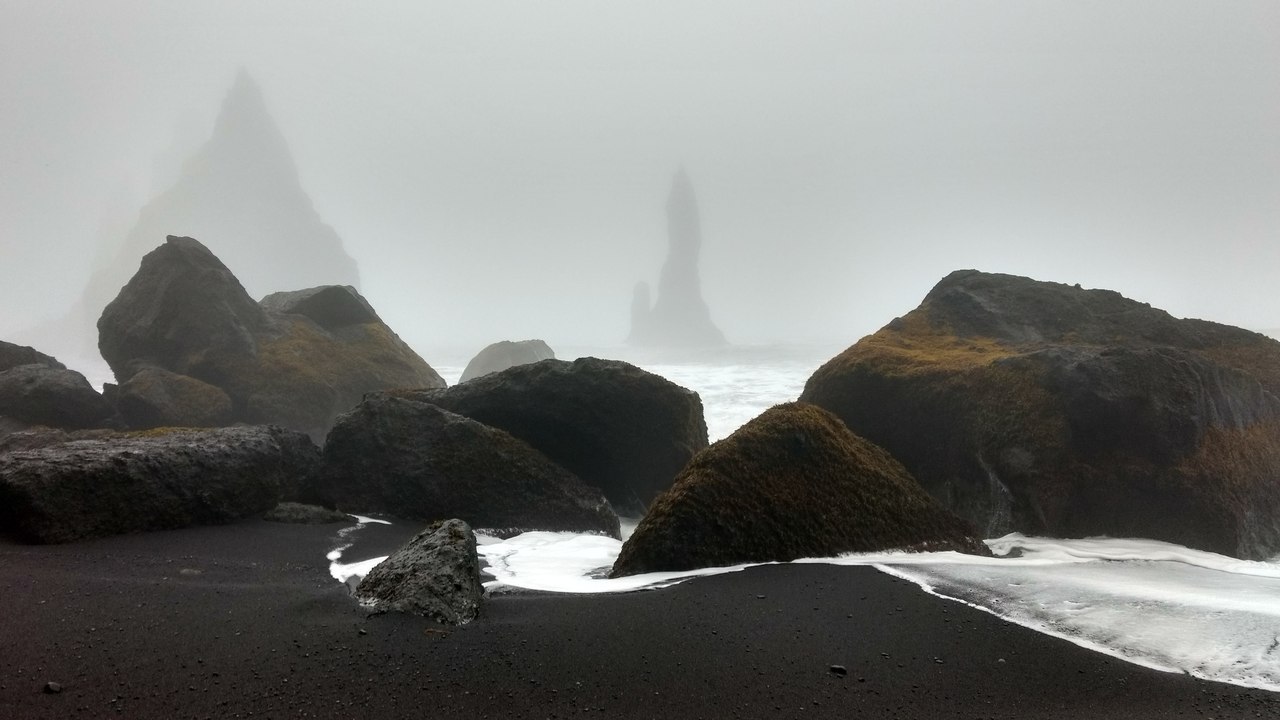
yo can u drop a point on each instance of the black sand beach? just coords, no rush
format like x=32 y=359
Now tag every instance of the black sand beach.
x=244 y=621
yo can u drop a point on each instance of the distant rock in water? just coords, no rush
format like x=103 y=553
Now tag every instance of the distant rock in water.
x=241 y=195
x=70 y=487
x=505 y=354
x=619 y=428
x=183 y=338
x=792 y=483
x=1053 y=410
x=435 y=575
x=396 y=455
x=679 y=317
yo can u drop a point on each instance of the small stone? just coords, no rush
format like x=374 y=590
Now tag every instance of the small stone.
x=839 y=670
x=52 y=688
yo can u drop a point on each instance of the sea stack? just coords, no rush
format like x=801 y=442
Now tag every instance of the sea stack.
x=241 y=195
x=679 y=317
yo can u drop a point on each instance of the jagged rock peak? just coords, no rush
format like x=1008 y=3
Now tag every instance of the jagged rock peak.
x=679 y=317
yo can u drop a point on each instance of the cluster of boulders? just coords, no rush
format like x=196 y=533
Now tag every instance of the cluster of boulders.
x=188 y=346
x=541 y=446
x=1053 y=410
x=1000 y=404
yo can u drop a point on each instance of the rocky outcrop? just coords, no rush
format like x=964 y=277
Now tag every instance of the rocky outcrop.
x=501 y=355
x=298 y=360
x=239 y=193
x=36 y=389
x=154 y=397
x=435 y=575
x=679 y=317
x=12 y=356
x=303 y=514
x=792 y=483
x=416 y=461
x=1054 y=410
x=619 y=428
x=131 y=482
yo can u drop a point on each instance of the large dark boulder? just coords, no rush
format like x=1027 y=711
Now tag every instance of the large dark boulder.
x=619 y=428
x=435 y=575
x=1054 y=410
x=501 y=355
x=414 y=460
x=52 y=396
x=156 y=480
x=792 y=483
x=12 y=356
x=299 y=360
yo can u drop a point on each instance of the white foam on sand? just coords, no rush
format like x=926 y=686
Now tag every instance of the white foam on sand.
x=351 y=572
x=1154 y=604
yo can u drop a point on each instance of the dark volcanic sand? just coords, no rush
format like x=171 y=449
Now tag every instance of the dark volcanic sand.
x=244 y=620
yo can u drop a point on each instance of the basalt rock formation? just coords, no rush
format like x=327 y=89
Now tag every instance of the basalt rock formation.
x=240 y=194
x=435 y=575
x=1054 y=410
x=36 y=389
x=619 y=428
x=792 y=483
x=71 y=487
x=413 y=460
x=501 y=355
x=297 y=360
x=679 y=317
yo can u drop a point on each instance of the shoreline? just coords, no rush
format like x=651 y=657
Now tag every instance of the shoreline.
x=244 y=620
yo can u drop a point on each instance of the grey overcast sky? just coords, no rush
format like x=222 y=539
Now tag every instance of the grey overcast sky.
x=499 y=170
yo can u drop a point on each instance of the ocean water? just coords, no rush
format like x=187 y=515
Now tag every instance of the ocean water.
x=1150 y=603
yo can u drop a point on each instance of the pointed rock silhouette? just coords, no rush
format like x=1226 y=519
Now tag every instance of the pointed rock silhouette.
x=679 y=317
x=241 y=195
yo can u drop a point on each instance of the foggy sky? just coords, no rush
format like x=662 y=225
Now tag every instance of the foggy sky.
x=499 y=170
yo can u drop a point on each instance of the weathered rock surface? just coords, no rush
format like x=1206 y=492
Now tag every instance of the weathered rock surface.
x=185 y=313
x=12 y=356
x=1053 y=410
x=37 y=390
x=329 y=306
x=792 y=483
x=154 y=397
x=40 y=394
x=619 y=428
x=679 y=317
x=435 y=575
x=505 y=354
x=303 y=514
x=156 y=480
x=414 y=460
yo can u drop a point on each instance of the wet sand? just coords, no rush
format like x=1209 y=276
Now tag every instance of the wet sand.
x=244 y=621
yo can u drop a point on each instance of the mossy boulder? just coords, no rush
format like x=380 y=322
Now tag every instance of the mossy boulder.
x=1054 y=410
x=505 y=354
x=619 y=428
x=413 y=460
x=98 y=484
x=792 y=483
x=298 y=360
x=155 y=397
